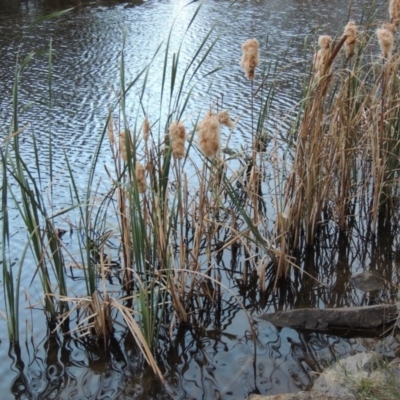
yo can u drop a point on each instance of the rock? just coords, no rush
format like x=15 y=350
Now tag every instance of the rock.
x=295 y=396
x=367 y=281
x=354 y=377
x=349 y=376
x=351 y=321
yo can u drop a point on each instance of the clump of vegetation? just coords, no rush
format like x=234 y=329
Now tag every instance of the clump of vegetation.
x=160 y=238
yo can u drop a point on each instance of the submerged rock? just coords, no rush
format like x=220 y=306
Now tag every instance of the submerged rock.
x=351 y=321
x=296 y=396
x=367 y=281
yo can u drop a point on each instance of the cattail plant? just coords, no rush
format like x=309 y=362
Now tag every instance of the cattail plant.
x=386 y=41
x=209 y=137
x=350 y=31
x=250 y=57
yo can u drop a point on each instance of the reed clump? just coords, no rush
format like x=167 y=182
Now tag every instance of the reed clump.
x=347 y=144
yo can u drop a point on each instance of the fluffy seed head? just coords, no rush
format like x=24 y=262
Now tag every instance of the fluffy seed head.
x=322 y=56
x=386 y=40
x=110 y=132
x=146 y=129
x=122 y=145
x=178 y=148
x=325 y=42
x=224 y=119
x=177 y=131
x=394 y=12
x=350 y=31
x=177 y=136
x=250 y=57
x=209 y=138
x=391 y=27
x=140 y=177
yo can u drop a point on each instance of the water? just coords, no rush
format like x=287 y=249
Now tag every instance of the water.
x=214 y=359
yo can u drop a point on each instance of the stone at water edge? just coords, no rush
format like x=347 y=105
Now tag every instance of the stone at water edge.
x=344 y=378
x=367 y=281
x=296 y=396
x=365 y=320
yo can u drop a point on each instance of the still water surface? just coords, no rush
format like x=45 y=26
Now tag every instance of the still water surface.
x=216 y=360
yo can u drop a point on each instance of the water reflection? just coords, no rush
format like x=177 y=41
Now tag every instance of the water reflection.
x=209 y=364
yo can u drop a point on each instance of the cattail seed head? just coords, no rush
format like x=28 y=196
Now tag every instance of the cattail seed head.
x=224 y=119
x=391 y=27
x=146 y=129
x=250 y=57
x=178 y=148
x=322 y=56
x=110 y=132
x=394 y=12
x=209 y=137
x=177 y=136
x=177 y=131
x=325 y=42
x=350 y=31
x=140 y=177
x=122 y=145
x=386 y=40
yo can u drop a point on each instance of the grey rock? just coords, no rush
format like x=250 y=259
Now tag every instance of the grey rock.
x=367 y=281
x=351 y=321
x=345 y=378
x=296 y=396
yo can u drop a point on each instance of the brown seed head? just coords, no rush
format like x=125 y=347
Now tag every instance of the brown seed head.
x=110 y=132
x=322 y=56
x=394 y=12
x=350 y=31
x=122 y=145
x=178 y=148
x=209 y=138
x=177 y=131
x=391 y=27
x=325 y=42
x=224 y=119
x=250 y=57
x=386 y=40
x=146 y=129
x=140 y=177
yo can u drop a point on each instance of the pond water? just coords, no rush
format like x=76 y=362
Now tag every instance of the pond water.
x=217 y=359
